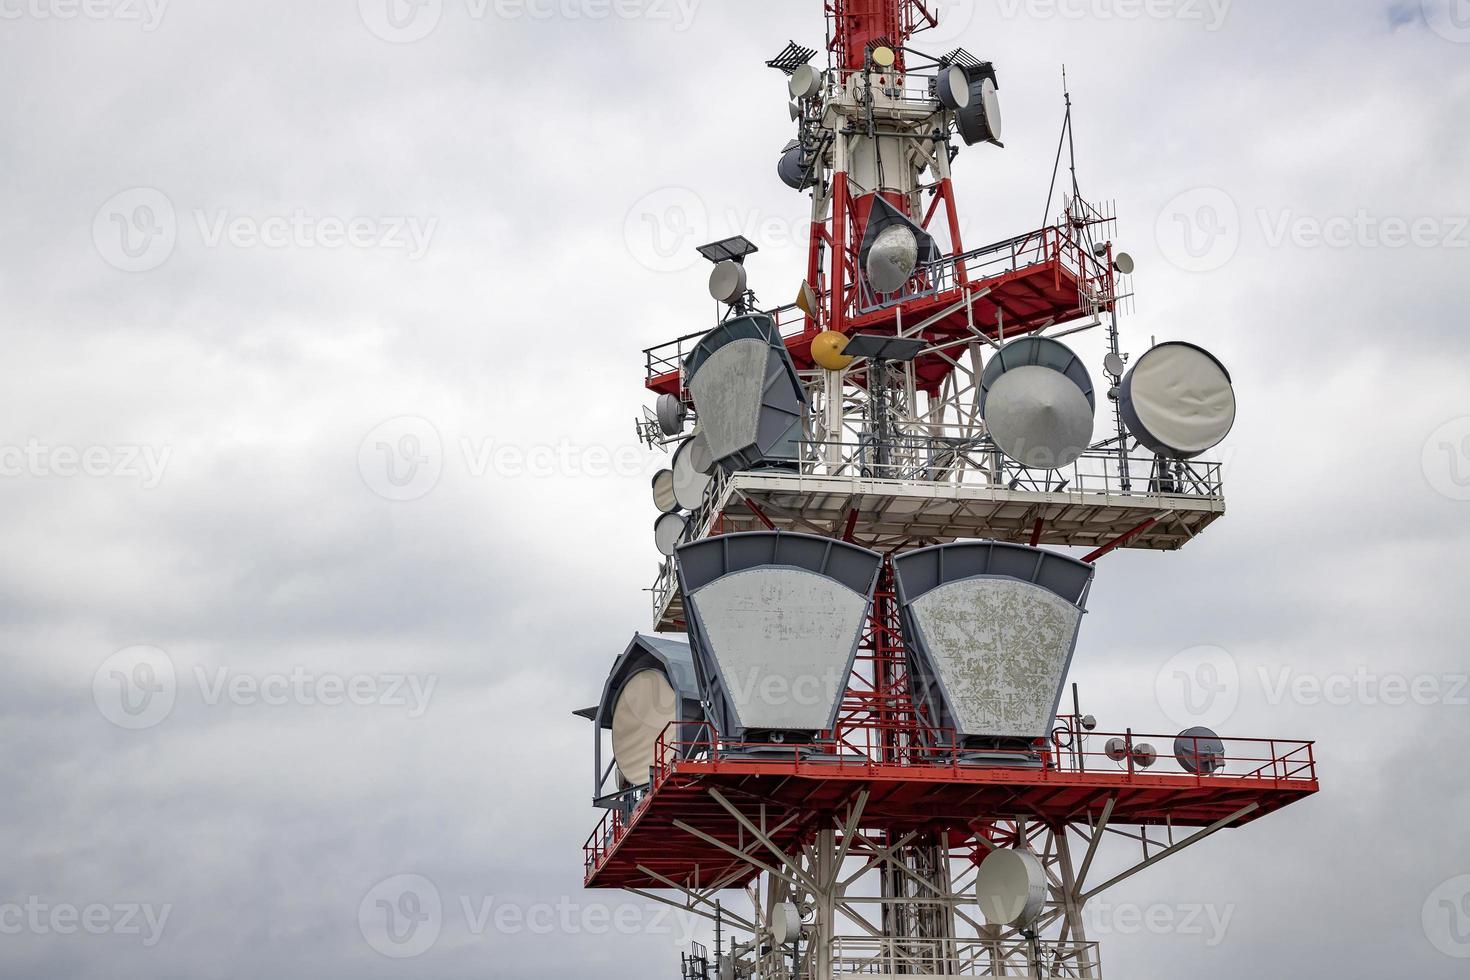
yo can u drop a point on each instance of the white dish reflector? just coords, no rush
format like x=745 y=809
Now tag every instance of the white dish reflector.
x=1178 y=401
x=1011 y=888
x=645 y=709
x=1039 y=418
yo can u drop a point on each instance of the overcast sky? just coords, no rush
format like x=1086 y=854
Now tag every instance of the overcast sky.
x=323 y=329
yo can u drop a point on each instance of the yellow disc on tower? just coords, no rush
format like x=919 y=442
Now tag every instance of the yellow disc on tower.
x=884 y=57
x=827 y=351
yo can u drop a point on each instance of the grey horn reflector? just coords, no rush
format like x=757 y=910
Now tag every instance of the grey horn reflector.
x=775 y=621
x=991 y=629
x=750 y=402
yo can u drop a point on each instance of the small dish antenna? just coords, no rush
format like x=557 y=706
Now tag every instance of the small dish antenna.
x=669 y=532
x=664 y=497
x=884 y=57
x=980 y=120
x=828 y=350
x=1011 y=888
x=1117 y=749
x=672 y=414
x=728 y=282
x=794 y=170
x=785 y=924
x=1200 y=752
x=1145 y=756
x=806 y=82
x=689 y=482
x=1124 y=264
x=1115 y=365
x=954 y=88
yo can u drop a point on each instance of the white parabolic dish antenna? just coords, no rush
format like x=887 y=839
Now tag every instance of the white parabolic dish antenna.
x=664 y=497
x=727 y=282
x=954 y=87
x=690 y=482
x=1178 y=401
x=1011 y=888
x=893 y=259
x=668 y=533
x=645 y=708
x=1039 y=418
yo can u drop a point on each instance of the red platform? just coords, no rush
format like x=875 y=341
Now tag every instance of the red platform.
x=1025 y=284
x=794 y=799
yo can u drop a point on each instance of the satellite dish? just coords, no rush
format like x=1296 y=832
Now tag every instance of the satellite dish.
x=954 y=88
x=1178 y=401
x=1116 y=750
x=884 y=57
x=1115 y=365
x=1039 y=418
x=668 y=533
x=728 y=281
x=979 y=122
x=664 y=497
x=795 y=111
x=806 y=82
x=646 y=708
x=672 y=414
x=1145 y=755
x=785 y=924
x=1011 y=888
x=689 y=482
x=1124 y=264
x=794 y=171
x=1200 y=752
x=700 y=456
x=1040 y=351
x=1089 y=723
x=893 y=259
x=827 y=351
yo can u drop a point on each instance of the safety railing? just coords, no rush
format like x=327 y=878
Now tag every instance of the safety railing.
x=1134 y=758
x=897 y=956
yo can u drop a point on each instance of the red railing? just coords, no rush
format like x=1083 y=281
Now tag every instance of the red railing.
x=1069 y=752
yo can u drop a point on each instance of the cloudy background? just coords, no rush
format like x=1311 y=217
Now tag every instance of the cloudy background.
x=323 y=337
